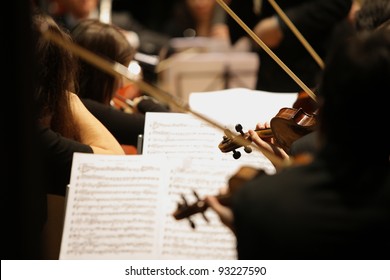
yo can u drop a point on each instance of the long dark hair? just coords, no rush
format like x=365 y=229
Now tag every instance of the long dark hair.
x=55 y=78
x=356 y=79
x=107 y=41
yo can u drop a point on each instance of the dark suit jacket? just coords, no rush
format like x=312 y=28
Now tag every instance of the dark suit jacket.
x=333 y=208
x=315 y=19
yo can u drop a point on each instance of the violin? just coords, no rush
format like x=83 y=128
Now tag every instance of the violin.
x=287 y=126
x=230 y=142
x=243 y=175
x=305 y=102
x=123 y=98
x=185 y=210
x=122 y=104
x=291 y=124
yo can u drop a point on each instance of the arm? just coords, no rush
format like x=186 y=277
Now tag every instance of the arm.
x=124 y=126
x=268 y=145
x=92 y=131
x=225 y=213
x=310 y=18
x=146 y=103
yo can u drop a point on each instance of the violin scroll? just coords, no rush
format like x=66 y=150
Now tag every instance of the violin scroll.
x=185 y=210
x=287 y=126
x=231 y=142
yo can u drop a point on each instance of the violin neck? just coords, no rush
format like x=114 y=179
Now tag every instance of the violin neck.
x=264 y=133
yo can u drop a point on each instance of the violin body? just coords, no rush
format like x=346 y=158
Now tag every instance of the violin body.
x=123 y=97
x=291 y=124
x=287 y=126
x=304 y=101
x=120 y=103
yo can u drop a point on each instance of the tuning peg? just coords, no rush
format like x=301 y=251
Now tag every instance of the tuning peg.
x=247 y=149
x=239 y=129
x=236 y=154
x=196 y=195
x=205 y=217
x=201 y=204
x=192 y=224
x=185 y=203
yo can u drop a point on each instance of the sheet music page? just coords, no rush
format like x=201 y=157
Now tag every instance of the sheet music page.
x=240 y=105
x=210 y=239
x=112 y=207
x=184 y=135
x=120 y=207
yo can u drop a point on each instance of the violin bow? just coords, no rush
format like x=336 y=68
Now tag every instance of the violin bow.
x=118 y=70
x=267 y=49
x=297 y=33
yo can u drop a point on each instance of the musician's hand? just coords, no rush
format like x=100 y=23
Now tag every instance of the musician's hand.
x=268 y=145
x=224 y=213
x=265 y=125
x=269 y=31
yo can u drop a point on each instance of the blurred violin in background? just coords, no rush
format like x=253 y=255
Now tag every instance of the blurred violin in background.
x=122 y=103
x=185 y=210
x=129 y=90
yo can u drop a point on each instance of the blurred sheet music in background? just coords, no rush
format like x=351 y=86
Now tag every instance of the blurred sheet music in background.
x=240 y=105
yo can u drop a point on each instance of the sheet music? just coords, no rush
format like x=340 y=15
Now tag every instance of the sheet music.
x=120 y=207
x=184 y=135
x=240 y=105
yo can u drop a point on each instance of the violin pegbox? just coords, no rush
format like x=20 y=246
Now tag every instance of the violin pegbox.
x=230 y=142
x=182 y=207
x=184 y=210
x=238 y=128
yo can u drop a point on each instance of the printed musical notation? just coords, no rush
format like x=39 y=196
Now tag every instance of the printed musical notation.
x=119 y=207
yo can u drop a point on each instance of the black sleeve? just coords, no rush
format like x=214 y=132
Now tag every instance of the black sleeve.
x=305 y=144
x=244 y=10
x=151 y=105
x=312 y=18
x=124 y=126
x=57 y=154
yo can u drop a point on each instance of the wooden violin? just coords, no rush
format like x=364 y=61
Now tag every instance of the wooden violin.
x=287 y=126
x=122 y=104
x=305 y=102
x=291 y=124
x=231 y=143
x=185 y=210
x=243 y=175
